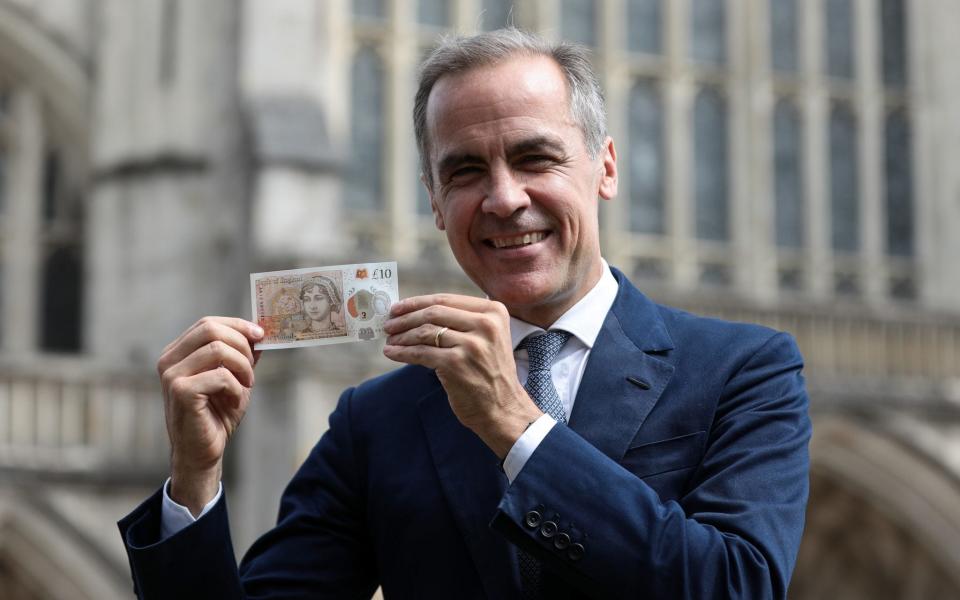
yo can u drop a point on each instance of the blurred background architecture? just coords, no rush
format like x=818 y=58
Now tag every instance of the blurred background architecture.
x=791 y=162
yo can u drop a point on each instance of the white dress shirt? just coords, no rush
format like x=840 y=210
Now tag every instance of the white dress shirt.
x=583 y=321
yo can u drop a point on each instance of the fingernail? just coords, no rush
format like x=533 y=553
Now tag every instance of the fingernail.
x=257 y=331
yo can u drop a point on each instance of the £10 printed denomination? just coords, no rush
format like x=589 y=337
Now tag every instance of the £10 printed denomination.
x=323 y=305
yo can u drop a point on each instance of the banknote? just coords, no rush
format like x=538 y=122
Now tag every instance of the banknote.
x=323 y=305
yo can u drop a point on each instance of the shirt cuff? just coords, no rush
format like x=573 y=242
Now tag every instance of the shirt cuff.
x=523 y=448
x=174 y=517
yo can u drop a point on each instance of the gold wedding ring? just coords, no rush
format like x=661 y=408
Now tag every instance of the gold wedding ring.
x=440 y=332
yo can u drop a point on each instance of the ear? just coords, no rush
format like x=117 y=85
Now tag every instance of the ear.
x=437 y=215
x=608 y=176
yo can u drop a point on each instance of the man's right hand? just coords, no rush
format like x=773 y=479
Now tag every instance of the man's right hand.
x=206 y=375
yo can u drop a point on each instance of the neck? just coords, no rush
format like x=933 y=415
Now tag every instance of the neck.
x=545 y=314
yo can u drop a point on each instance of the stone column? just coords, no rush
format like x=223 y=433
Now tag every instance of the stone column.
x=679 y=96
x=870 y=100
x=22 y=245
x=816 y=166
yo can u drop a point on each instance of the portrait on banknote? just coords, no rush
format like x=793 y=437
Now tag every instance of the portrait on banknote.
x=324 y=305
x=321 y=297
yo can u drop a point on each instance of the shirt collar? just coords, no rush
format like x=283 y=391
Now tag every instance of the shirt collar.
x=584 y=319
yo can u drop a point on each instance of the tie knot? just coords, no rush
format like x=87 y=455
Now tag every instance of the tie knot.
x=543 y=349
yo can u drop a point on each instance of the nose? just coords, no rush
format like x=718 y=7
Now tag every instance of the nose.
x=505 y=194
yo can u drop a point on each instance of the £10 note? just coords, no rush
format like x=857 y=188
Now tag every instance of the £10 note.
x=323 y=305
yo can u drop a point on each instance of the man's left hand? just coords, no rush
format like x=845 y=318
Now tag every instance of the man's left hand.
x=474 y=361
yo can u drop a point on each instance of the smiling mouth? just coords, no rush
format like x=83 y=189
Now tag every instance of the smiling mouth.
x=518 y=240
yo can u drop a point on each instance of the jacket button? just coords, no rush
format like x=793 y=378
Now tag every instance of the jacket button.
x=561 y=541
x=532 y=519
x=576 y=552
x=548 y=529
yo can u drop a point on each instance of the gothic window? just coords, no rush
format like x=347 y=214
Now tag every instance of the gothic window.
x=899 y=184
x=365 y=177
x=433 y=12
x=371 y=9
x=579 y=21
x=893 y=31
x=708 y=31
x=838 y=20
x=646 y=159
x=787 y=175
x=62 y=300
x=710 y=165
x=844 y=187
x=644 y=26
x=783 y=35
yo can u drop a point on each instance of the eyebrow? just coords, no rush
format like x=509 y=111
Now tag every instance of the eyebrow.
x=523 y=146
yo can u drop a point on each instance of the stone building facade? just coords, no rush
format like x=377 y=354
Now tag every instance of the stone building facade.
x=789 y=162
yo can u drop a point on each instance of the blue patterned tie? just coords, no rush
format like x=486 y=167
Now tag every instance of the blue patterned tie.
x=542 y=350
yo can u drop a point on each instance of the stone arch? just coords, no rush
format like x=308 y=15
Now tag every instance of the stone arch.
x=34 y=57
x=883 y=520
x=41 y=558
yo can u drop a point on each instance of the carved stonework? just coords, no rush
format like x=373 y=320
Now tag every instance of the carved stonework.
x=854 y=551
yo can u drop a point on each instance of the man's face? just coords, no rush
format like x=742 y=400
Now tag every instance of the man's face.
x=514 y=186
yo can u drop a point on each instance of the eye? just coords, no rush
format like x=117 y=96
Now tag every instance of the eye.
x=536 y=160
x=465 y=171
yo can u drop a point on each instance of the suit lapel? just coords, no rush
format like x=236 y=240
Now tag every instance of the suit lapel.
x=622 y=382
x=608 y=412
x=473 y=484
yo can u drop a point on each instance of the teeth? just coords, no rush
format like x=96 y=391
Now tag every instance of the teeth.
x=520 y=240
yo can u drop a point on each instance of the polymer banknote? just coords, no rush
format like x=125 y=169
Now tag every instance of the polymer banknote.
x=323 y=305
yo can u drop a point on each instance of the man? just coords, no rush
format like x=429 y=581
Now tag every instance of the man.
x=651 y=453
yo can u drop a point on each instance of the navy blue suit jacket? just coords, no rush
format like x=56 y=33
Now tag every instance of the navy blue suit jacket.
x=683 y=473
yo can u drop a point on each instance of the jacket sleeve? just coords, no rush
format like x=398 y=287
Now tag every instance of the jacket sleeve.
x=733 y=533
x=318 y=549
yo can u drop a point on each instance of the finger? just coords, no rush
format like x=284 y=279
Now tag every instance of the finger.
x=212 y=356
x=426 y=356
x=253 y=331
x=435 y=314
x=414 y=303
x=427 y=335
x=233 y=331
x=218 y=383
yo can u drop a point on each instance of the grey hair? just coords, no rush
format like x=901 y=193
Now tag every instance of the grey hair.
x=456 y=54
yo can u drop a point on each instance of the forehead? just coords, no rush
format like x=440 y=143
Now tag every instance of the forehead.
x=495 y=100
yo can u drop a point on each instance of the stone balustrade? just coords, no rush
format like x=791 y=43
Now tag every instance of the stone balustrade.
x=70 y=416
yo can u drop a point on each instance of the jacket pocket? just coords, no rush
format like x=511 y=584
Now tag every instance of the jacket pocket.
x=663 y=456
